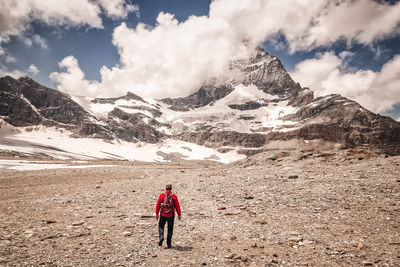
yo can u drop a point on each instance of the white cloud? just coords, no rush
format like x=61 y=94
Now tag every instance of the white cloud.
x=10 y=59
x=27 y=41
x=377 y=91
x=16 y=15
x=35 y=39
x=39 y=41
x=118 y=8
x=73 y=79
x=174 y=59
x=33 y=70
x=308 y=24
x=15 y=73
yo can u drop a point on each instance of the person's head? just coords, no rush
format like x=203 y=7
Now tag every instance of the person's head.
x=168 y=187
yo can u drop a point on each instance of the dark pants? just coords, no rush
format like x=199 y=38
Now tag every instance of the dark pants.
x=161 y=224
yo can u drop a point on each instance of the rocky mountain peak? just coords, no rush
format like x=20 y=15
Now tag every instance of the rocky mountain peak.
x=24 y=102
x=30 y=82
x=262 y=70
x=268 y=74
x=245 y=114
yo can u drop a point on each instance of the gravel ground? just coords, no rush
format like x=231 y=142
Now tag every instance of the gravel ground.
x=277 y=208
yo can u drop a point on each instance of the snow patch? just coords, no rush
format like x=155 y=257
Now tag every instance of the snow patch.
x=58 y=144
x=23 y=165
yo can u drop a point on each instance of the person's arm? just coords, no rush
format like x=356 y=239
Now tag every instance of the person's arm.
x=177 y=207
x=158 y=206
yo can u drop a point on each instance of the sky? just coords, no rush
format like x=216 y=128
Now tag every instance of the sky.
x=158 y=48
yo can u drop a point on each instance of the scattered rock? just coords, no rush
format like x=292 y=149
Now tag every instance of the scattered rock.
x=50 y=237
x=146 y=216
x=231 y=213
x=252 y=213
x=29 y=233
x=295 y=239
x=127 y=233
x=293 y=176
x=51 y=221
x=367 y=263
x=80 y=235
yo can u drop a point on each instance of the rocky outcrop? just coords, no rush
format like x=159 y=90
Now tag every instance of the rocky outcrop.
x=268 y=74
x=128 y=96
x=24 y=102
x=224 y=138
x=338 y=119
x=132 y=128
x=204 y=96
x=302 y=97
x=249 y=105
x=16 y=111
x=32 y=103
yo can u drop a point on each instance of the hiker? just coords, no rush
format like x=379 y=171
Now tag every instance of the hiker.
x=167 y=204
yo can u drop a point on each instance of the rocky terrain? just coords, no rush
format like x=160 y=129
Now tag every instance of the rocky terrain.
x=276 y=208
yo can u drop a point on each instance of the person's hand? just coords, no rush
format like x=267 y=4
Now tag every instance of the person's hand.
x=179 y=217
x=157 y=217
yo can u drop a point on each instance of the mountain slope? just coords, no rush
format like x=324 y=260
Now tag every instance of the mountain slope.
x=247 y=114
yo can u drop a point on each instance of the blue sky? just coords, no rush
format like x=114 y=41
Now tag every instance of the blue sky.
x=45 y=42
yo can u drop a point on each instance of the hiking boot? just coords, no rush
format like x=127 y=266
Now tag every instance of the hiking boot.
x=169 y=245
x=161 y=241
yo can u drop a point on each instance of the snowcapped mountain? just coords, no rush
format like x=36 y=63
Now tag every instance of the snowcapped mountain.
x=262 y=109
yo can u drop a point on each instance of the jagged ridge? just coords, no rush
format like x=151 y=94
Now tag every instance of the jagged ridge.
x=265 y=105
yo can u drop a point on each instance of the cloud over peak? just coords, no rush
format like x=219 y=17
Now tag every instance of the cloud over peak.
x=376 y=91
x=176 y=58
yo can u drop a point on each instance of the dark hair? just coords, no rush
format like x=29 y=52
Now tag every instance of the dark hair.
x=168 y=187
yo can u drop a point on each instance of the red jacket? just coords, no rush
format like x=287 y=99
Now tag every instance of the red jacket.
x=175 y=205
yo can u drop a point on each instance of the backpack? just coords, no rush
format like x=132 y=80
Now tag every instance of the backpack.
x=167 y=204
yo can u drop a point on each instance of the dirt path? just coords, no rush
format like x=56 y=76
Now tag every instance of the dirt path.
x=286 y=209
